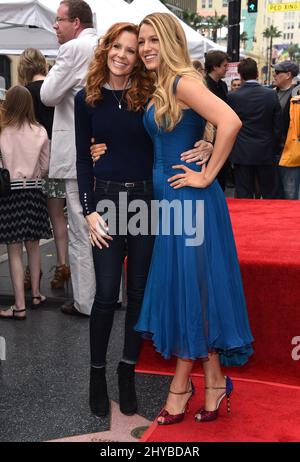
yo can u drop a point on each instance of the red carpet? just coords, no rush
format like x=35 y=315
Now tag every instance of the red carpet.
x=267 y=235
x=259 y=413
x=151 y=362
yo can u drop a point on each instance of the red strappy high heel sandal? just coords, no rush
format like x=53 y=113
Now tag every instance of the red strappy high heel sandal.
x=202 y=415
x=170 y=419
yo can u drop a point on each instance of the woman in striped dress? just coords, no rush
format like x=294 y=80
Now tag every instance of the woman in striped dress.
x=24 y=150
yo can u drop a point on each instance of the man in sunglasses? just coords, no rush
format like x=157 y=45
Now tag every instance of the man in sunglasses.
x=284 y=75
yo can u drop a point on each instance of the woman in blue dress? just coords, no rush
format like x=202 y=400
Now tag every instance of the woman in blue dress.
x=194 y=305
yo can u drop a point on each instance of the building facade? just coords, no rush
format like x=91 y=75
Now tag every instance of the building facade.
x=179 y=6
x=183 y=5
x=210 y=6
x=287 y=22
x=254 y=25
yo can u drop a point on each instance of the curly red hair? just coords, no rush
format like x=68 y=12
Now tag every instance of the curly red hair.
x=142 y=81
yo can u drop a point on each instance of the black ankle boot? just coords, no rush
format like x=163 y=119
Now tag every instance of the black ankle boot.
x=99 y=401
x=127 y=394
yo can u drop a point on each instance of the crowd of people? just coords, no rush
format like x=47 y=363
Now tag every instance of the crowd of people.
x=130 y=119
x=262 y=163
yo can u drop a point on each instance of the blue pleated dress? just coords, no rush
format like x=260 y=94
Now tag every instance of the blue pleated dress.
x=194 y=301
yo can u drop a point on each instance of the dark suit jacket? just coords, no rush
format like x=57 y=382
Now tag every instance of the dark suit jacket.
x=260 y=112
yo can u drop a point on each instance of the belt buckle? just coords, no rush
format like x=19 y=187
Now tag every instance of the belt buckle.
x=129 y=185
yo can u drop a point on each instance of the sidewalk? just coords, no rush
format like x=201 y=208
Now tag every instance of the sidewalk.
x=48 y=262
x=44 y=378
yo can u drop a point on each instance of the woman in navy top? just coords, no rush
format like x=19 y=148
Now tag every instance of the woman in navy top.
x=110 y=110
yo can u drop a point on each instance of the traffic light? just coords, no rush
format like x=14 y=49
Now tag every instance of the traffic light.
x=252 y=6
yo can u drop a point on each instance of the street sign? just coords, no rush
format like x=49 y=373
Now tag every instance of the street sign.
x=282 y=7
x=231 y=73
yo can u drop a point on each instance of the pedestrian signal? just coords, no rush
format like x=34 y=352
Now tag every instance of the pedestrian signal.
x=252 y=6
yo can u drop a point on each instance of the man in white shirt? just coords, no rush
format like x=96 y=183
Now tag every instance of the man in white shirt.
x=78 y=39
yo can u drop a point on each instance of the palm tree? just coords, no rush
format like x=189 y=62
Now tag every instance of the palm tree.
x=244 y=38
x=194 y=20
x=271 y=33
x=294 y=52
x=215 y=23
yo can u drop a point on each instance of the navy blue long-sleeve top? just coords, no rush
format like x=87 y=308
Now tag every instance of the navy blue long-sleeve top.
x=129 y=155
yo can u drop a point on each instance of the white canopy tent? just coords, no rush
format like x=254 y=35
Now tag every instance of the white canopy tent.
x=110 y=11
x=198 y=45
x=28 y=23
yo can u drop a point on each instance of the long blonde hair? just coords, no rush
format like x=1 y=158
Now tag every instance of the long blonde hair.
x=174 y=61
x=32 y=62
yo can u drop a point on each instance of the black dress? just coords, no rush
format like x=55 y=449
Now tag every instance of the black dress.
x=24 y=217
x=44 y=114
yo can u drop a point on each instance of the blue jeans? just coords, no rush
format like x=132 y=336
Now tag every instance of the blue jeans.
x=108 y=268
x=290 y=177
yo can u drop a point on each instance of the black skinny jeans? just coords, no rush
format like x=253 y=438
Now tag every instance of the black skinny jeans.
x=108 y=268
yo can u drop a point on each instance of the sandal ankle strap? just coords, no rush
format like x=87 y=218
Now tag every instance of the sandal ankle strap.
x=215 y=388
x=182 y=392
x=18 y=311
